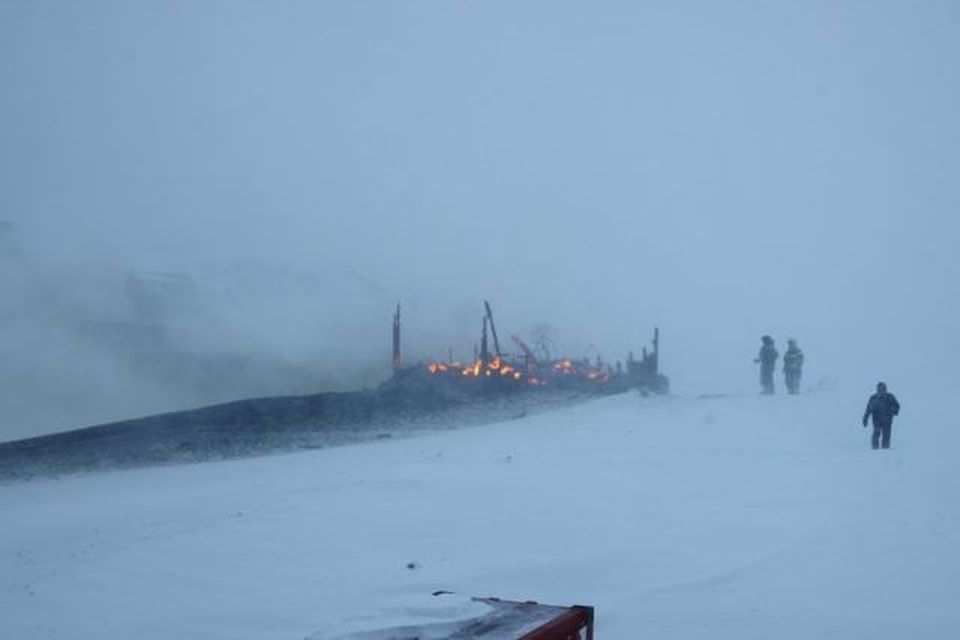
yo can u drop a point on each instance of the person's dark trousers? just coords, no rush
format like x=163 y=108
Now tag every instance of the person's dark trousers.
x=766 y=381
x=883 y=429
x=793 y=382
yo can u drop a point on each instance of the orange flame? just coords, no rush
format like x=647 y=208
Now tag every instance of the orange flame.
x=564 y=367
x=496 y=367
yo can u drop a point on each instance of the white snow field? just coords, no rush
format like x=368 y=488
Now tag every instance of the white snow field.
x=732 y=517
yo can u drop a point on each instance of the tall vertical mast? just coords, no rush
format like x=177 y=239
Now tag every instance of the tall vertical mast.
x=493 y=329
x=656 y=350
x=484 y=349
x=396 y=339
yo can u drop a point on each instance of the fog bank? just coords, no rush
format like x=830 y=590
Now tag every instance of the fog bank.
x=208 y=201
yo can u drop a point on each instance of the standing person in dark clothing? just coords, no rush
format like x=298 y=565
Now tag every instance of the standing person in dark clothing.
x=792 y=366
x=882 y=406
x=768 y=362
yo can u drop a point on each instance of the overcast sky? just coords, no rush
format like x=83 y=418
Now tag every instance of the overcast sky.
x=721 y=170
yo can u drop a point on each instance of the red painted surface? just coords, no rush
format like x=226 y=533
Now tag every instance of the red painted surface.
x=575 y=624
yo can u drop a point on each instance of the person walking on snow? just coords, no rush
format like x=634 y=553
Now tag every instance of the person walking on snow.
x=882 y=406
x=768 y=362
x=792 y=366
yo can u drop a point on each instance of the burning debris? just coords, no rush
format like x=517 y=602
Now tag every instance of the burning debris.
x=499 y=370
x=425 y=395
x=416 y=397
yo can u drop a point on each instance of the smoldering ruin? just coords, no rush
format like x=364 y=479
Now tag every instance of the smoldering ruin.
x=494 y=370
x=497 y=385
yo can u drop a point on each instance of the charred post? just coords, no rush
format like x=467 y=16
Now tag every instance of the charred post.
x=484 y=350
x=493 y=329
x=396 y=340
x=656 y=351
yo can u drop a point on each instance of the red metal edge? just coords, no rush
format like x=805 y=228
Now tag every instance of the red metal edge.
x=566 y=626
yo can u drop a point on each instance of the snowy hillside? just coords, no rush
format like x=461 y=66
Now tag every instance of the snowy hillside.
x=736 y=517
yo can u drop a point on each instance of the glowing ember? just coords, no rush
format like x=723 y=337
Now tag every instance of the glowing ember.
x=564 y=367
x=496 y=367
x=474 y=369
x=499 y=367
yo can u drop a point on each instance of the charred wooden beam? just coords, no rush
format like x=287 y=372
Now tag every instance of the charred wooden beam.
x=656 y=350
x=484 y=350
x=396 y=339
x=493 y=329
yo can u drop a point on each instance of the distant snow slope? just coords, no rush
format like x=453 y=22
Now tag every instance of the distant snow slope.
x=738 y=517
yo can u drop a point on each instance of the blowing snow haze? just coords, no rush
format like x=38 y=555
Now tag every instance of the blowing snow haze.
x=207 y=201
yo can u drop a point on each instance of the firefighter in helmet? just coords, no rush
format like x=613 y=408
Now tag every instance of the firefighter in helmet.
x=767 y=359
x=792 y=366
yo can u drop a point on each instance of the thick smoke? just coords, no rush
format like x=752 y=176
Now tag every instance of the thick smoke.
x=215 y=200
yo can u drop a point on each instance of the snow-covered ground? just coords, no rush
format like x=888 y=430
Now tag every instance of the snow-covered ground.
x=733 y=517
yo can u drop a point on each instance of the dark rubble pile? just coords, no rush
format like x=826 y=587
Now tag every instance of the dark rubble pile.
x=409 y=402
